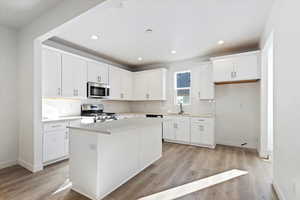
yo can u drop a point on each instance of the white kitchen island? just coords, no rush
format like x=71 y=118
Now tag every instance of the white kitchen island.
x=103 y=156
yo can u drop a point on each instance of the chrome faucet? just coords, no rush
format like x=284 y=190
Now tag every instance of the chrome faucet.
x=181 y=108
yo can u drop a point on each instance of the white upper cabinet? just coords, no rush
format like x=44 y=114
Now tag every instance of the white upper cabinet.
x=247 y=67
x=115 y=82
x=51 y=73
x=223 y=70
x=66 y=75
x=202 y=82
x=207 y=86
x=126 y=85
x=140 y=85
x=239 y=67
x=120 y=82
x=150 y=85
x=74 y=76
x=98 y=72
x=157 y=84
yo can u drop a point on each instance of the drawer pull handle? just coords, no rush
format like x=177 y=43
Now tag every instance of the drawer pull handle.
x=56 y=126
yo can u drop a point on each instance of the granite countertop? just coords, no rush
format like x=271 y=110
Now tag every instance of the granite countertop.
x=116 y=125
x=204 y=115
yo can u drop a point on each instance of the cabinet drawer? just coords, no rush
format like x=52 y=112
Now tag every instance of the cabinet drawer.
x=199 y=120
x=55 y=126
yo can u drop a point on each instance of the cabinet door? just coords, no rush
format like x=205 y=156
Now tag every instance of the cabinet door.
x=168 y=129
x=156 y=84
x=246 y=67
x=115 y=77
x=202 y=132
x=74 y=76
x=197 y=132
x=54 y=145
x=67 y=142
x=126 y=85
x=223 y=70
x=51 y=73
x=182 y=127
x=206 y=84
x=98 y=72
x=140 y=86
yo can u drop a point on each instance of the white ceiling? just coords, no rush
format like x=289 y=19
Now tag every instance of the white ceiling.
x=17 y=13
x=191 y=27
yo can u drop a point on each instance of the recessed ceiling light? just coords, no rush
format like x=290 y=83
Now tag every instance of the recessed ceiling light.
x=140 y=58
x=221 y=42
x=94 y=37
x=149 y=30
x=173 y=52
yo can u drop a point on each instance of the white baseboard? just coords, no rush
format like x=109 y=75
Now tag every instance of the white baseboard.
x=8 y=163
x=278 y=191
x=29 y=166
x=26 y=165
x=233 y=144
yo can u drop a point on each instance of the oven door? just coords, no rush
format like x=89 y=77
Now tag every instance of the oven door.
x=96 y=90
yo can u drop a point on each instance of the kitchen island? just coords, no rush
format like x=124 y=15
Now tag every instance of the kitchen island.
x=105 y=155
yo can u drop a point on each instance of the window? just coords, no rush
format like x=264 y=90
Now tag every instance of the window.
x=183 y=87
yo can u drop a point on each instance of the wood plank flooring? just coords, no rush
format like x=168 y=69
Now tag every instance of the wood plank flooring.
x=180 y=164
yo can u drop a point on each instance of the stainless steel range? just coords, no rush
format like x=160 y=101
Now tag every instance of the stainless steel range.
x=95 y=111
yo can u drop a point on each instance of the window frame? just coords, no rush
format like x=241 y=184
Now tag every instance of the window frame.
x=185 y=88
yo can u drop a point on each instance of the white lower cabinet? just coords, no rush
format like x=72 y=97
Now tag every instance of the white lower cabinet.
x=56 y=141
x=189 y=130
x=182 y=129
x=54 y=145
x=202 y=132
x=168 y=129
x=177 y=129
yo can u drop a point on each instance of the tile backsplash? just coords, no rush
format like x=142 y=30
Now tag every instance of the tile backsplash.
x=53 y=108
x=199 y=107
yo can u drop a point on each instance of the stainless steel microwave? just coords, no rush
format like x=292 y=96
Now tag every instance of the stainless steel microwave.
x=97 y=90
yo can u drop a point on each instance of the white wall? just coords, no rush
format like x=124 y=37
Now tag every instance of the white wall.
x=29 y=76
x=286 y=160
x=238 y=114
x=8 y=97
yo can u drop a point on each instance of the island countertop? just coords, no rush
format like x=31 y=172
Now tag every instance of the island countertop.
x=115 y=125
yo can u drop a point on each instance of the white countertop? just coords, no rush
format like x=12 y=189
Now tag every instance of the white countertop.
x=66 y=118
x=116 y=125
x=204 y=115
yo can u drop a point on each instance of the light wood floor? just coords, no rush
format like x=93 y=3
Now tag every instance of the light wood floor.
x=180 y=164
